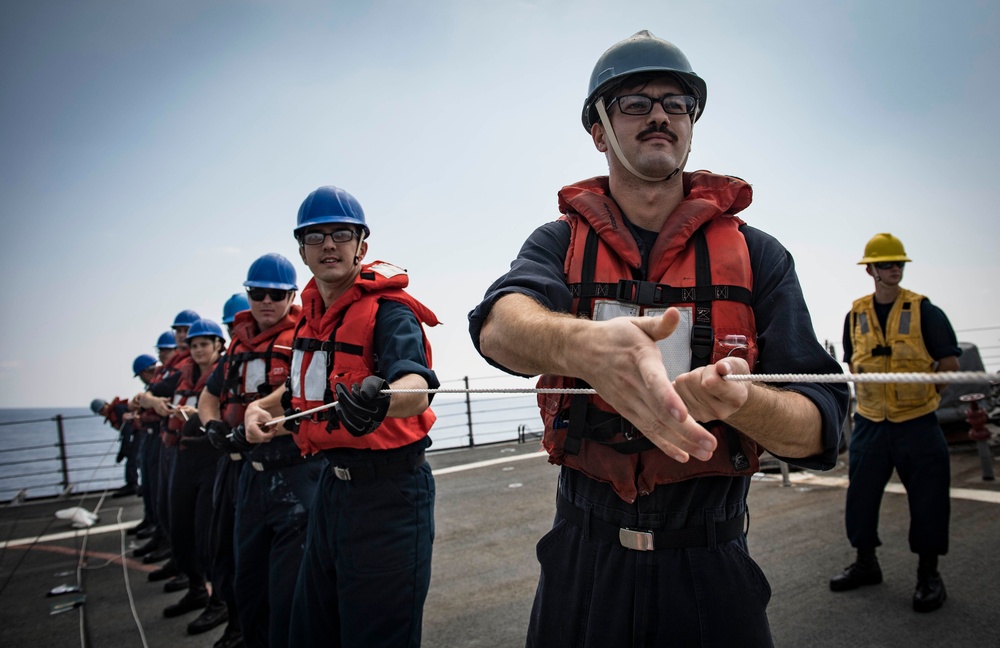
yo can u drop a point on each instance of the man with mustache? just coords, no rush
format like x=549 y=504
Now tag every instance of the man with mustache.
x=650 y=289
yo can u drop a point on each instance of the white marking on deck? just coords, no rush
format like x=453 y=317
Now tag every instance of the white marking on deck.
x=810 y=479
x=487 y=463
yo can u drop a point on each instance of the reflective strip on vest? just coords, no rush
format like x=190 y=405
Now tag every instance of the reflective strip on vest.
x=255 y=374
x=675 y=348
x=315 y=378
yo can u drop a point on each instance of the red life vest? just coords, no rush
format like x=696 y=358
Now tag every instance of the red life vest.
x=255 y=363
x=112 y=418
x=177 y=363
x=188 y=389
x=336 y=346
x=148 y=418
x=699 y=264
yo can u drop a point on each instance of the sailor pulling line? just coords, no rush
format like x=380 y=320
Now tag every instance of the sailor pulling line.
x=902 y=377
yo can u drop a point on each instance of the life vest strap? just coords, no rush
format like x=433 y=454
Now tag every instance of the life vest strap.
x=649 y=293
x=311 y=345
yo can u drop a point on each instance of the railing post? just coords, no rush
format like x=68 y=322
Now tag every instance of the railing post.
x=468 y=410
x=62 y=451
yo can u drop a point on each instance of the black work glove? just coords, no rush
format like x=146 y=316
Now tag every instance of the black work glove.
x=191 y=428
x=218 y=433
x=362 y=409
x=238 y=439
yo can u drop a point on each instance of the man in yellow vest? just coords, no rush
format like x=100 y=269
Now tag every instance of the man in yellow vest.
x=895 y=426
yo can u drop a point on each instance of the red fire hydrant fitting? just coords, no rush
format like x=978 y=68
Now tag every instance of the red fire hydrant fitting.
x=976 y=417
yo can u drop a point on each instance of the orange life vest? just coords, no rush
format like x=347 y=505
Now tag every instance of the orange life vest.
x=255 y=363
x=336 y=346
x=699 y=264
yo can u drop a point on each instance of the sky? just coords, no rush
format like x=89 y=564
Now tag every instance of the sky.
x=150 y=151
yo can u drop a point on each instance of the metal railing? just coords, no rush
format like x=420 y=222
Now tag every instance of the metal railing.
x=65 y=466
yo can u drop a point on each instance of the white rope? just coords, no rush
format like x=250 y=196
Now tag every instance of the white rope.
x=932 y=378
x=902 y=377
x=967 y=377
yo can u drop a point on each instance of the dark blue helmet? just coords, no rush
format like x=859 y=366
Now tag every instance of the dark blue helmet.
x=641 y=52
x=167 y=340
x=330 y=205
x=205 y=328
x=271 y=271
x=185 y=318
x=143 y=363
x=238 y=302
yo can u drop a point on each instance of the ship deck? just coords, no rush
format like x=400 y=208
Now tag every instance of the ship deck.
x=493 y=504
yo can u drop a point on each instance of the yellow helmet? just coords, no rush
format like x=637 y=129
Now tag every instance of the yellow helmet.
x=883 y=247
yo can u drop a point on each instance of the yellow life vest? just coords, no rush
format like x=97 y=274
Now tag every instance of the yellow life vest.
x=899 y=349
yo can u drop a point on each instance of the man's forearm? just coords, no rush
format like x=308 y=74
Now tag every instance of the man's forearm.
x=785 y=423
x=209 y=408
x=524 y=336
x=403 y=405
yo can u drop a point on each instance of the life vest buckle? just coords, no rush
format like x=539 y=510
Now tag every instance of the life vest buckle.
x=642 y=293
x=636 y=539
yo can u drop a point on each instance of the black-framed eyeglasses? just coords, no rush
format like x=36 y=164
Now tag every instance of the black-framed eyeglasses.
x=886 y=265
x=276 y=294
x=338 y=236
x=638 y=104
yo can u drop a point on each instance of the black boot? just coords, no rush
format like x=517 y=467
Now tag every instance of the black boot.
x=232 y=637
x=168 y=570
x=156 y=556
x=195 y=599
x=152 y=545
x=865 y=571
x=930 y=593
x=178 y=583
x=215 y=614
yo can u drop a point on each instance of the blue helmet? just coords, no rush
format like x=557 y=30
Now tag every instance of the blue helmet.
x=185 y=318
x=205 y=328
x=238 y=302
x=330 y=205
x=271 y=271
x=97 y=405
x=167 y=340
x=143 y=363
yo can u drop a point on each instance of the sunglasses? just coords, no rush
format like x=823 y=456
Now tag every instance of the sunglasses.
x=886 y=265
x=276 y=294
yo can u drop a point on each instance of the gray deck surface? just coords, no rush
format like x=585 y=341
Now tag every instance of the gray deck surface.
x=488 y=519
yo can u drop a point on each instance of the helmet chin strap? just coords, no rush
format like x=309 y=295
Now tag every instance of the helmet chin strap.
x=602 y=113
x=357 y=252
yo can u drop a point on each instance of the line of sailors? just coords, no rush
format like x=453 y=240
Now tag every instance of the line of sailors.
x=317 y=531
x=230 y=515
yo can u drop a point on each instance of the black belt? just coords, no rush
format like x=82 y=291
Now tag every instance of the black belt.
x=261 y=466
x=370 y=470
x=649 y=539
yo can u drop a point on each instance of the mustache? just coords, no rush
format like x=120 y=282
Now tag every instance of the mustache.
x=658 y=128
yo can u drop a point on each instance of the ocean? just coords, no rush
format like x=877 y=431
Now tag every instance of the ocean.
x=29 y=441
x=29 y=452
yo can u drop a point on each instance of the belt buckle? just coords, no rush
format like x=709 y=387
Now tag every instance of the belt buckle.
x=341 y=473
x=258 y=466
x=636 y=539
x=235 y=456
